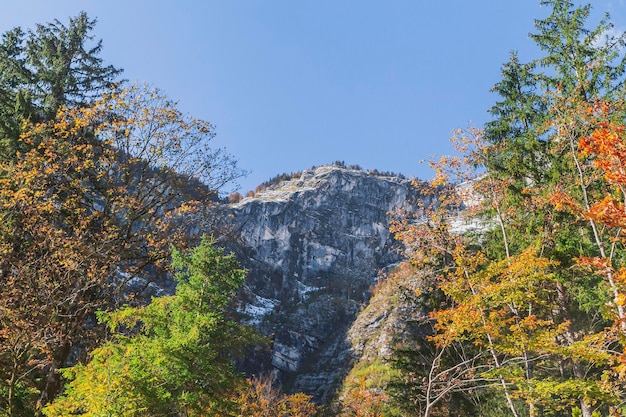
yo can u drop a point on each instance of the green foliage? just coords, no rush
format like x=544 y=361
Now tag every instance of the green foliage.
x=535 y=305
x=44 y=69
x=174 y=356
x=374 y=375
x=517 y=124
x=369 y=382
x=17 y=400
x=96 y=183
x=579 y=62
x=97 y=197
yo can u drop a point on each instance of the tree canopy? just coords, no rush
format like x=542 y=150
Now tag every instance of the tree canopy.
x=173 y=356
x=44 y=69
x=525 y=311
x=97 y=183
x=533 y=311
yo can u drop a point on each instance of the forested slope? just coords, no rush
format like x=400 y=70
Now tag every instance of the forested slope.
x=524 y=315
x=510 y=299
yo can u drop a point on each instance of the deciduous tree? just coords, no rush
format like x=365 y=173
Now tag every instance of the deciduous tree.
x=96 y=203
x=260 y=397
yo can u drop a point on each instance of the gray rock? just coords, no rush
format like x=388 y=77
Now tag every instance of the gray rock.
x=313 y=247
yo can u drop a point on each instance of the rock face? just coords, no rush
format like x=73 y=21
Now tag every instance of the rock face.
x=313 y=247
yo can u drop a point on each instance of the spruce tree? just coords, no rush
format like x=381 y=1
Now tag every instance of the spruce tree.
x=43 y=69
x=535 y=196
x=542 y=114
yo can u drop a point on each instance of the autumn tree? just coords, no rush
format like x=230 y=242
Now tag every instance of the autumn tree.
x=533 y=151
x=580 y=67
x=530 y=159
x=604 y=150
x=93 y=206
x=499 y=329
x=261 y=397
x=360 y=398
x=174 y=356
x=434 y=375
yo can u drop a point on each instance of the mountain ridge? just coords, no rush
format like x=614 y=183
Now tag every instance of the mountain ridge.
x=314 y=246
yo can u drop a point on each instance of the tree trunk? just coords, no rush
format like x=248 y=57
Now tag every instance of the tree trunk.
x=584 y=406
x=577 y=369
x=53 y=381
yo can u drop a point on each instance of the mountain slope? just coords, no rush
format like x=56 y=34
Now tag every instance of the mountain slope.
x=314 y=246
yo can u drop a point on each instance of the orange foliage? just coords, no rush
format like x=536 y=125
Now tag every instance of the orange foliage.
x=93 y=201
x=260 y=398
x=361 y=401
x=606 y=146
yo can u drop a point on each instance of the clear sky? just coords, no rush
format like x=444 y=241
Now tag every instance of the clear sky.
x=290 y=84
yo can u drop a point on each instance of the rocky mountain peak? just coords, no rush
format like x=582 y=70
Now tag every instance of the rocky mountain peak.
x=334 y=178
x=313 y=246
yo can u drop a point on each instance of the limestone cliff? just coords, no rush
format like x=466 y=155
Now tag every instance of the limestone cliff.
x=314 y=245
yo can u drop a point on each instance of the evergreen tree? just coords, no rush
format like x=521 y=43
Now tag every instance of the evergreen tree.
x=516 y=125
x=95 y=203
x=55 y=65
x=579 y=61
x=544 y=329
x=178 y=361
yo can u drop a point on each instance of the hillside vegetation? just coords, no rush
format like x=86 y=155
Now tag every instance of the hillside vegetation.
x=99 y=180
x=525 y=314
x=106 y=188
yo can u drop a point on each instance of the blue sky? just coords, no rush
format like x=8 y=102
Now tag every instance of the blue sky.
x=290 y=84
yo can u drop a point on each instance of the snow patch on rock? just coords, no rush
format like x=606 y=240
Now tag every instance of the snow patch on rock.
x=258 y=308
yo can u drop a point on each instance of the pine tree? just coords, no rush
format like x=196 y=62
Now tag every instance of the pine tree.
x=538 y=193
x=179 y=357
x=43 y=69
